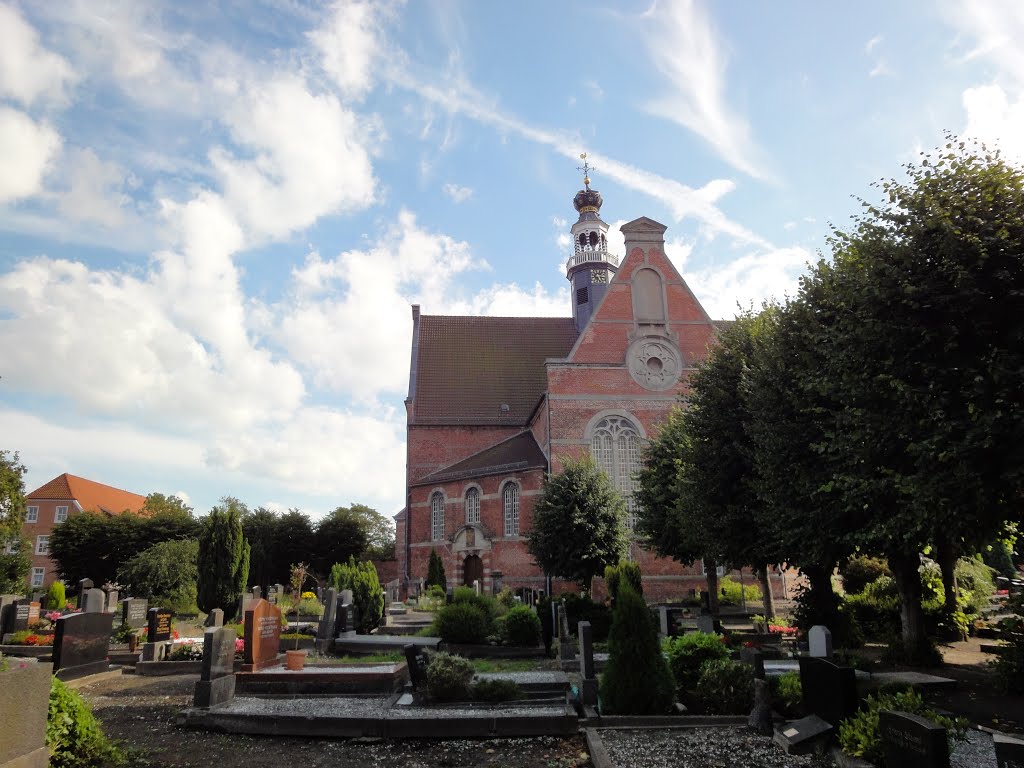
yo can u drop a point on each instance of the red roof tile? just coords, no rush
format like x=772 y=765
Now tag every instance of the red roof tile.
x=468 y=368
x=92 y=496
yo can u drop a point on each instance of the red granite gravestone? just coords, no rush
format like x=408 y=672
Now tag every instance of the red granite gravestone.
x=262 y=636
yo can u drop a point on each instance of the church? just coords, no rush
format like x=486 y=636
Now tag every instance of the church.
x=494 y=403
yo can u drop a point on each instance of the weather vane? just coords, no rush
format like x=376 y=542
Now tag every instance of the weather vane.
x=586 y=170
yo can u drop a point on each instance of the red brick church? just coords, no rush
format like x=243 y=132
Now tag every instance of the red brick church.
x=496 y=402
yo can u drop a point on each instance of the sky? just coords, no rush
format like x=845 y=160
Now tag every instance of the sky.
x=214 y=216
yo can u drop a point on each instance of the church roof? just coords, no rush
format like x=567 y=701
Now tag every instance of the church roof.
x=515 y=454
x=468 y=369
x=92 y=496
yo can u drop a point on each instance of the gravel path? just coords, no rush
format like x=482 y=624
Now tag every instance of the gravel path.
x=699 y=748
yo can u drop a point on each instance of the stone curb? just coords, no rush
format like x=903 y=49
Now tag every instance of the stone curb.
x=639 y=722
x=598 y=754
x=78 y=682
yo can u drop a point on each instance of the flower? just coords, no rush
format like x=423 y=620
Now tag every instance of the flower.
x=53 y=615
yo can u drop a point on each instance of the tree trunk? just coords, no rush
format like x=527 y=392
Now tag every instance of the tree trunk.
x=904 y=567
x=767 y=599
x=945 y=556
x=823 y=598
x=711 y=571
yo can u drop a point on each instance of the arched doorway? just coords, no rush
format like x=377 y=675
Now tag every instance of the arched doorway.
x=473 y=570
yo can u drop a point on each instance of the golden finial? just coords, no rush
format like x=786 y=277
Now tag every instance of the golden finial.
x=586 y=170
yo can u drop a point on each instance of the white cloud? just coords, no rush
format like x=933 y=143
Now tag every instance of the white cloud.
x=458 y=194
x=869 y=46
x=27 y=150
x=350 y=43
x=512 y=301
x=685 y=48
x=93 y=190
x=996 y=119
x=28 y=71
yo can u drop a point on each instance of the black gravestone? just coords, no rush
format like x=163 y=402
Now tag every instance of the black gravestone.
x=217 y=679
x=133 y=612
x=1009 y=751
x=829 y=691
x=83 y=585
x=755 y=659
x=159 y=627
x=417 y=662
x=346 y=620
x=327 y=621
x=910 y=741
x=80 y=644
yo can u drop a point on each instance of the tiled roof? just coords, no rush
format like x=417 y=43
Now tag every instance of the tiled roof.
x=94 y=497
x=512 y=455
x=468 y=368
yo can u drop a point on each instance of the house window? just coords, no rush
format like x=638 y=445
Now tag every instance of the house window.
x=437 y=516
x=61 y=515
x=615 y=446
x=510 y=498
x=42 y=545
x=33 y=515
x=37 y=576
x=472 y=506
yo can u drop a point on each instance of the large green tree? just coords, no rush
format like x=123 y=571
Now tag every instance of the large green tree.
x=165 y=574
x=578 y=523
x=223 y=559
x=294 y=542
x=15 y=564
x=260 y=528
x=340 y=535
x=160 y=505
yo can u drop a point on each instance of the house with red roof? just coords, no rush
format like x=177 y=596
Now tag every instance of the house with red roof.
x=54 y=502
x=494 y=403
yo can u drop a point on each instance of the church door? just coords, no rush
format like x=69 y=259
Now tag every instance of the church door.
x=472 y=570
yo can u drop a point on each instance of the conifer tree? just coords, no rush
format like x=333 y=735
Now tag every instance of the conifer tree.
x=223 y=560
x=435 y=572
x=637 y=680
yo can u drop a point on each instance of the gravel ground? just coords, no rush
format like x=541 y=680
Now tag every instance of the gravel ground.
x=699 y=748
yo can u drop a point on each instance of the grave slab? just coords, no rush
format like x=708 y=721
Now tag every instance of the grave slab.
x=801 y=737
x=1009 y=750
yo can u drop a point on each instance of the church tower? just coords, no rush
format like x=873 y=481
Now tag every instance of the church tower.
x=591 y=266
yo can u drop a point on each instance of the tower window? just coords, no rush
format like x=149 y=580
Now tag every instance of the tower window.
x=582 y=295
x=510 y=501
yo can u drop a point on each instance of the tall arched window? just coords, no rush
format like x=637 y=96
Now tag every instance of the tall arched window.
x=472 y=506
x=615 y=446
x=648 y=299
x=437 y=516
x=510 y=499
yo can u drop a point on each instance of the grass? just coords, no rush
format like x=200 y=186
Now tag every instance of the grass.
x=514 y=665
x=370 y=658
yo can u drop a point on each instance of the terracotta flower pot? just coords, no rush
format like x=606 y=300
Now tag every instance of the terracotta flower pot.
x=295 y=660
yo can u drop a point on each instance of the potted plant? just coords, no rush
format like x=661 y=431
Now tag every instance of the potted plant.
x=295 y=659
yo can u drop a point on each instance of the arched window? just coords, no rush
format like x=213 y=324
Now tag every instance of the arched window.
x=437 y=516
x=648 y=299
x=510 y=499
x=615 y=446
x=472 y=506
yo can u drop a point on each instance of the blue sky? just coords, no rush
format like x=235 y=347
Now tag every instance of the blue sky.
x=214 y=216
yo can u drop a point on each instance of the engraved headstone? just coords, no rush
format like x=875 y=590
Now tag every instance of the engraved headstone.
x=134 y=612
x=217 y=678
x=706 y=624
x=83 y=586
x=23 y=614
x=262 y=636
x=80 y=644
x=111 y=606
x=800 y=737
x=256 y=594
x=829 y=691
x=215 y=618
x=326 y=629
x=819 y=640
x=158 y=625
x=94 y=601
x=910 y=741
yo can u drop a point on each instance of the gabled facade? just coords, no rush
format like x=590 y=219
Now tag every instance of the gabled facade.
x=54 y=502
x=495 y=403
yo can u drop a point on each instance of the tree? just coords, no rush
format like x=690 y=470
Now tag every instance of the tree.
x=223 y=559
x=367 y=593
x=578 y=523
x=14 y=565
x=294 y=542
x=380 y=532
x=260 y=528
x=435 y=572
x=340 y=535
x=165 y=574
x=157 y=504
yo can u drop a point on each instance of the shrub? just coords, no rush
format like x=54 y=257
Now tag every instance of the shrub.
x=636 y=680
x=56 y=599
x=579 y=609
x=436 y=593
x=1008 y=666
x=859 y=735
x=367 y=593
x=468 y=596
x=73 y=735
x=435 y=572
x=976 y=582
x=122 y=633
x=733 y=592
x=522 y=627
x=310 y=607
x=448 y=677
x=687 y=654
x=165 y=574
x=461 y=623
x=786 y=690
x=628 y=570
x=495 y=690
x=726 y=687
x=506 y=599
x=860 y=571
x=223 y=560
x=28 y=637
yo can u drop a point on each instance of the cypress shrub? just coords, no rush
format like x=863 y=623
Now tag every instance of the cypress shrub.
x=56 y=598
x=223 y=561
x=637 y=680
x=435 y=572
x=628 y=570
x=367 y=593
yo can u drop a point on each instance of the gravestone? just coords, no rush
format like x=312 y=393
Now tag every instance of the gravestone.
x=272 y=595
x=280 y=591
x=23 y=613
x=262 y=636
x=134 y=612
x=449 y=596
x=346 y=620
x=829 y=691
x=761 y=715
x=910 y=741
x=476 y=586
x=94 y=601
x=6 y=612
x=566 y=646
x=256 y=594
x=705 y=601
x=111 y=606
x=800 y=737
x=663 y=625
x=417 y=662
x=588 y=680
x=1009 y=751
x=80 y=644
x=83 y=586
x=217 y=678
x=159 y=625
x=215 y=618
x=755 y=659
x=819 y=639
x=325 y=631
x=706 y=624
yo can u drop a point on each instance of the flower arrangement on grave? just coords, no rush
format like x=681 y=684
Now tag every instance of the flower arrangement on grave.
x=26 y=637
x=144 y=634
x=187 y=651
